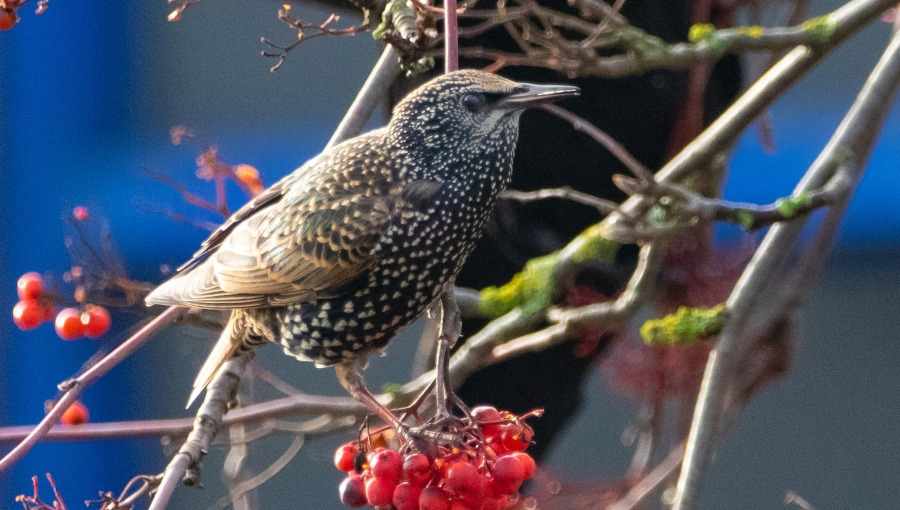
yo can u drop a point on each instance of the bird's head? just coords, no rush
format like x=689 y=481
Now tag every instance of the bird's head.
x=468 y=113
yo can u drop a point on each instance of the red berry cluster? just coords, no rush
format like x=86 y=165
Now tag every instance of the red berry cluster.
x=37 y=306
x=485 y=473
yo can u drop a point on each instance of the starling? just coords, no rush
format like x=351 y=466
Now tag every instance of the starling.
x=337 y=257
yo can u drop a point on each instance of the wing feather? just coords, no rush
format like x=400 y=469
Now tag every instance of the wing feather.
x=310 y=235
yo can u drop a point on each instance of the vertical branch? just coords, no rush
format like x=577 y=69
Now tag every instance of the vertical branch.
x=451 y=37
x=849 y=148
x=372 y=91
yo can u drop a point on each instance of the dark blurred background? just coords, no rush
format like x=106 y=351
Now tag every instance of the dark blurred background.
x=88 y=93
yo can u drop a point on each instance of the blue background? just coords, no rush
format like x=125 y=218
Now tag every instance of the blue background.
x=88 y=93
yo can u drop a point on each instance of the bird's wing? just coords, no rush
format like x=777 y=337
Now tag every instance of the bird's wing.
x=302 y=239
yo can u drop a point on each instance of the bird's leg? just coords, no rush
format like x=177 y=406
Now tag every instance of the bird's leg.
x=353 y=382
x=422 y=439
x=448 y=332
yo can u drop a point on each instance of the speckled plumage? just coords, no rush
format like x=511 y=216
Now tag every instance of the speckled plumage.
x=337 y=257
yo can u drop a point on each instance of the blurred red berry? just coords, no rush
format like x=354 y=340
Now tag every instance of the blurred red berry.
x=380 y=491
x=68 y=324
x=516 y=437
x=527 y=463
x=417 y=468
x=386 y=465
x=28 y=314
x=80 y=213
x=434 y=498
x=458 y=504
x=484 y=415
x=406 y=496
x=95 y=321
x=30 y=285
x=76 y=414
x=8 y=18
x=345 y=457
x=352 y=492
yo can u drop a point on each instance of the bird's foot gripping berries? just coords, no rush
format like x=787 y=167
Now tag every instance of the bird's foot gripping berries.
x=482 y=470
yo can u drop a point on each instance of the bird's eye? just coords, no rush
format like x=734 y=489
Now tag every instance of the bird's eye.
x=473 y=102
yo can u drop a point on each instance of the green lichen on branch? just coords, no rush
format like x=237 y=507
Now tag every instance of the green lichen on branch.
x=685 y=327
x=821 y=28
x=533 y=287
x=643 y=46
x=789 y=207
x=706 y=33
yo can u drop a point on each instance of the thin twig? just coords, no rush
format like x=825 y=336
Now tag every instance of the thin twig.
x=604 y=206
x=649 y=483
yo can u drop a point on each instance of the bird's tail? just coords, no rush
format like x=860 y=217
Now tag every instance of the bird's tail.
x=225 y=349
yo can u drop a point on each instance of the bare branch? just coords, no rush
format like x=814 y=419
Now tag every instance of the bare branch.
x=849 y=147
x=74 y=387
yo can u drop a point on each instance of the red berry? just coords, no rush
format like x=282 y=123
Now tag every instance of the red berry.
x=516 y=438
x=527 y=463
x=434 y=498
x=80 y=213
x=457 y=504
x=485 y=414
x=95 y=321
x=417 y=468
x=30 y=285
x=353 y=492
x=406 y=496
x=76 y=414
x=464 y=481
x=387 y=465
x=509 y=473
x=8 y=18
x=27 y=314
x=68 y=324
x=380 y=491
x=345 y=457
